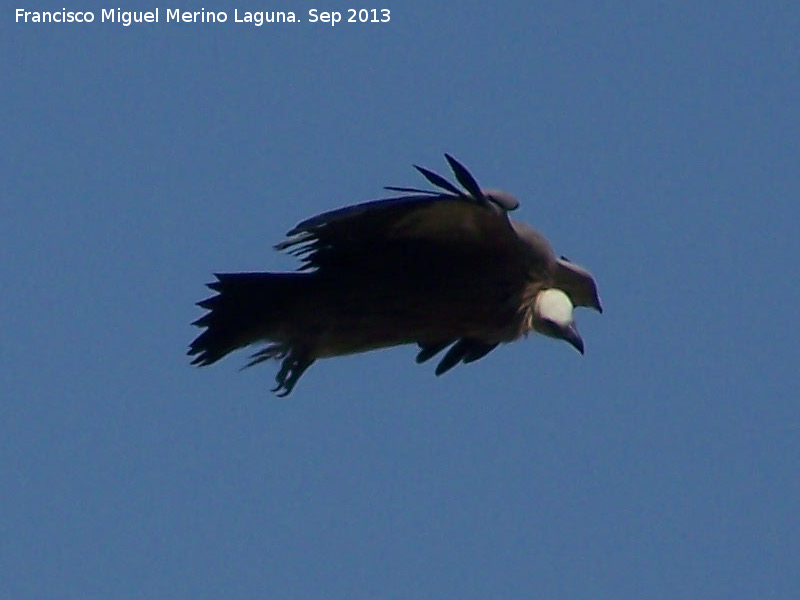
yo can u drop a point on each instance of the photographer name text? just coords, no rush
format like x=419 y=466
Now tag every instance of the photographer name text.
x=257 y=18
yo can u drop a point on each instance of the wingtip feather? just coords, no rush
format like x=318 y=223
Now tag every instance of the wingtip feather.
x=465 y=178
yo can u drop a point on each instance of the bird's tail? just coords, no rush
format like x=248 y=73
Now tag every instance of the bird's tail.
x=248 y=307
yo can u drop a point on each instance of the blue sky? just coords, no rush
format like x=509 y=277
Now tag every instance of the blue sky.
x=656 y=143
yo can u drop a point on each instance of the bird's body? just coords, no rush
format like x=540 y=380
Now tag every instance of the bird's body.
x=428 y=268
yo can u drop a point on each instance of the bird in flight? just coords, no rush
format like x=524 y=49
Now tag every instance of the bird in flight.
x=443 y=269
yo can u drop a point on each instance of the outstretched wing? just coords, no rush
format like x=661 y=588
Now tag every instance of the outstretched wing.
x=448 y=219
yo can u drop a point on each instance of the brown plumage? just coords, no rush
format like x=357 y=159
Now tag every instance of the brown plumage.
x=433 y=268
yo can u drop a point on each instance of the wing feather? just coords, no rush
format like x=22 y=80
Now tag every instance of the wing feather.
x=466 y=351
x=465 y=178
x=348 y=237
x=438 y=180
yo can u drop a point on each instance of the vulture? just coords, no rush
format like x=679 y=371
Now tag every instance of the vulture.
x=443 y=269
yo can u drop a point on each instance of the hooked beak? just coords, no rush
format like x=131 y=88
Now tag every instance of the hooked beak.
x=571 y=335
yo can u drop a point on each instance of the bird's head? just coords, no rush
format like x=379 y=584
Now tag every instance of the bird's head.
x=552 y=316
